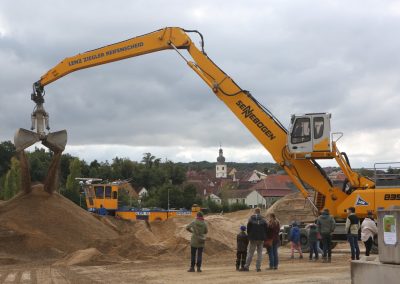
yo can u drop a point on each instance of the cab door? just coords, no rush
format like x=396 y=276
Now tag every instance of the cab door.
x=321 y=133
x=300 y=135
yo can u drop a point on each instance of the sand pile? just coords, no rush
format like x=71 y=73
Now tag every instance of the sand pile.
x=292 y=207
x=141 y=240
x=47 y=226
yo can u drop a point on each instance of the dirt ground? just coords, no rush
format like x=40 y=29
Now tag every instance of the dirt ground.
x=216 y=269
x=45 y=238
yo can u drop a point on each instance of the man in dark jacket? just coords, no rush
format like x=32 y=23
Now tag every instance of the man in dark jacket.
x=257 y=233
x=241 y=249
x=326 y=225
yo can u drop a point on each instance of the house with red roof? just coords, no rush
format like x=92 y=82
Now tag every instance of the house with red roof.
x=274 y=187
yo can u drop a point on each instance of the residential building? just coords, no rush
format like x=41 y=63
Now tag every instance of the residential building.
x=251 y=198
x=142 y=193
x=274 y=187
x=214 y=198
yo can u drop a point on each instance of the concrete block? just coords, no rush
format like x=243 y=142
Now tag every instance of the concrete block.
x=372 y=272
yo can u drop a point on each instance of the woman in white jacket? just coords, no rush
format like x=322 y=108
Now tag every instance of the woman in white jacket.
x=368 y=231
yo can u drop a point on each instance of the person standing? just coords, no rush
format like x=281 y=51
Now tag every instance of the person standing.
x=326 y=225
x=241 y=248
x=319 y=249
x=273 y=241
x=313 y=240
x=294 y=237
x=352 y=227
x=102 y=211
x=368 y=231
x=257 y=233
x=199 y=229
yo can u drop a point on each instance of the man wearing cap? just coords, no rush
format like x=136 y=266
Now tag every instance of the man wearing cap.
x=257 y=233
x=199 y=229
x=326 y=225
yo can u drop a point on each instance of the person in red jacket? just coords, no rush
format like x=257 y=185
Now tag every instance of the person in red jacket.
x=273 y=241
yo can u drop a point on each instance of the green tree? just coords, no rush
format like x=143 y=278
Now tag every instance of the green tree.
x=7 y=151
x=190 y=196
x=212 y=206
x=72 y=188
x=176 y=199
x=12 y=181
x=122 y=168
x=39 y=161
x=176 y=173
x=64 y=167
x=148 y=159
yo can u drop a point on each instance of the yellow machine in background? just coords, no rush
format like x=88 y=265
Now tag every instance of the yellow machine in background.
x=105 y=195
x=156 y=214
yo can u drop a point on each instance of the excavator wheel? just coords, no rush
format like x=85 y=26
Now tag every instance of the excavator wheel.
x=305 y=245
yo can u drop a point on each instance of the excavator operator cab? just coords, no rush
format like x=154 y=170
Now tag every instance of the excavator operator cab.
x=310 y=136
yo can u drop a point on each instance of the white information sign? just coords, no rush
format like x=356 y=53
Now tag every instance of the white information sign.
x=389 y=230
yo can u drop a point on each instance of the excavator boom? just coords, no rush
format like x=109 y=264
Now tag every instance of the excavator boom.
x=304 y=171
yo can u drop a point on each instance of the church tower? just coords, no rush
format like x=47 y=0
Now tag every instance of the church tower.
x=221 y=168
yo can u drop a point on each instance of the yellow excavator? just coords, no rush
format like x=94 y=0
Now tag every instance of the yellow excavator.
x=296 y=149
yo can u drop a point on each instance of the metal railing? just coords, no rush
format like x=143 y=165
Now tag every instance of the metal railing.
x=387 y=174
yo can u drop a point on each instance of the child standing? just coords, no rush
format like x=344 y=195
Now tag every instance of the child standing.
x=241 y=250
x=295 y=240
x=313 y=240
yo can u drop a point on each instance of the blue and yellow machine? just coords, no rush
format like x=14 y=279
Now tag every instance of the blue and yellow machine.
x=106 y=195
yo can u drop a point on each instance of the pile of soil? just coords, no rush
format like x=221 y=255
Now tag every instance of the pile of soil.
x=50 y=227
x=39 y=224
x=292 y=207
x=141 y=240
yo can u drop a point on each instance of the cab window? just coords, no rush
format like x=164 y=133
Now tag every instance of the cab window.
x=301 y=131
x=99 y=191
x=108 y=192
x=318 y=127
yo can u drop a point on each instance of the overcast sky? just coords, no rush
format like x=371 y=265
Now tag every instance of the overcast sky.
x=299 y=56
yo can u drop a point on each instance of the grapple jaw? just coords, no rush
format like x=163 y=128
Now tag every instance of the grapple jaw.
x=55 y=141
x=23 y=138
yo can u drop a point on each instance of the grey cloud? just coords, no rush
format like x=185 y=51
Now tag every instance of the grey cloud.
x=294 y=57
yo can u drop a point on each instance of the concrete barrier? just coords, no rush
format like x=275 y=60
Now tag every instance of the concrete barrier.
x=372 y=272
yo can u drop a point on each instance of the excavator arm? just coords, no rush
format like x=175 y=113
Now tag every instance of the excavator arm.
x=260 y=122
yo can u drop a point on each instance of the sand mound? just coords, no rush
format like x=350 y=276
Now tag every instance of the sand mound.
x=47 y=226
x=79 y=257
x=292 y=207
x=141 y=240
x=52 y=227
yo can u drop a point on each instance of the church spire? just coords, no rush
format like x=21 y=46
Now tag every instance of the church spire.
x=221 y=168
x=221 y=158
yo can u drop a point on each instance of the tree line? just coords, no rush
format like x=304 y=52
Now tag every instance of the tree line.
x=165 y=181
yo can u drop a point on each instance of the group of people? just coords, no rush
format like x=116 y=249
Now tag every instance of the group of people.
x=321 y=231
x=368 y=231
x=261 y=233
x=258 y=234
